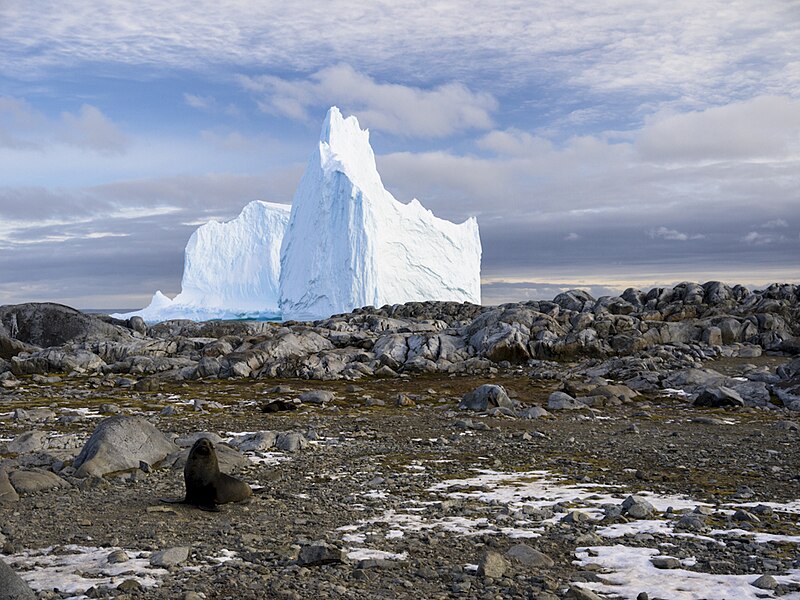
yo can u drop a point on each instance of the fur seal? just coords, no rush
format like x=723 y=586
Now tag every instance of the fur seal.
x=206 y=485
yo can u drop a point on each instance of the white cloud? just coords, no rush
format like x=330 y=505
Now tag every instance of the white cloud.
x=762 y=127
x=22 y=127
x=693 y=53
x=756 y=238
x=90 y=128
x=775 y=224
x=571 y=237
x=199 y=102
x=668 y=234
x=399 y=109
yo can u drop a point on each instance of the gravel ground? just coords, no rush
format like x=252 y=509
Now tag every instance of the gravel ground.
x=418 y=493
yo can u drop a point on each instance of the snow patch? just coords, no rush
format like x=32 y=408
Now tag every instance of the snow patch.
x=629 y=571
x=73 y=569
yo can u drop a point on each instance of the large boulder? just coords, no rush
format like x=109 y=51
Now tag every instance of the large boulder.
x=485 y=397
x=120 y=444
x=719 y=397
x=48 y=324
x=11 y=585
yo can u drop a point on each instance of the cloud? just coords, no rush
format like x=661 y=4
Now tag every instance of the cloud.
x=400 y=109
x=775 y=224
x=91 y=129
x=571 y=237
x=691 y=54
x=762 y=127
x=673 y=235
x=22 y=127
x=199 y=102
x=756 y=238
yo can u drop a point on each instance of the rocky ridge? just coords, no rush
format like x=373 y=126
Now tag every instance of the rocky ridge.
x=531 y=450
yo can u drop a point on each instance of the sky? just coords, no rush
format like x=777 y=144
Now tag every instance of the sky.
x=599 y=144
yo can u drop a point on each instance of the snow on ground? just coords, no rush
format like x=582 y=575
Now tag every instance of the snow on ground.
x=372 y=554
x=543 y=489
x=74 y=569
x=629 y=571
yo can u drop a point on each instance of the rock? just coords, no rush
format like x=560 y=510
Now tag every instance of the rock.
x=317 y=397
x=170 y=557
x=391 y=351
x=48 y=324
x=765 y=582
x=575 y=516
x=637 y=507
x=30 y=481
x=320 y=553
x=534 y=412
x=530 y=557
x=385 y=371
x=291 y=442
x=118 y=556
x=30 y=441
x=137 y=324
x=33 y=415
x=255 y=442
x=578 y=593
x=743 y=515
x=484 y=397
x=122 y=443
x=8 y=495
x=665 y=562
x=492 y=564
x=719 y=397
x=563 y=401
x=56 y=360
x=12 y=587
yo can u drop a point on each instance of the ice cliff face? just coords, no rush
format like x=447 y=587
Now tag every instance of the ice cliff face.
x=349 y=243
x=230 y=270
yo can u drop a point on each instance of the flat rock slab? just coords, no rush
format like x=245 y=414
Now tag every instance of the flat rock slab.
x=30 y=481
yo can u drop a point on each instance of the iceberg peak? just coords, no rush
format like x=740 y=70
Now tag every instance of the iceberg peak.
x=349 y=243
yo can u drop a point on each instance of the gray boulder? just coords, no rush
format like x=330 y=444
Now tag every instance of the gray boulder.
x=30 y=441
x=563 y=401
x=320 y=553
x=8 y=495
x=48 y=324
x=719 y=397
x=291 y=441
x=120 y=444
x=485 y=397
x=529 y=556
x=31 y=481
x=255 y=442
x=11 y=585
x=317 y=397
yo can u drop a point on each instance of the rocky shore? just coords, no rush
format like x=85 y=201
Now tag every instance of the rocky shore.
x=642 y=446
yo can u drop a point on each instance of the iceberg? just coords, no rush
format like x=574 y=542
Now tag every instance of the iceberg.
x=231 y=270
x=344 y=243
x=350 y=243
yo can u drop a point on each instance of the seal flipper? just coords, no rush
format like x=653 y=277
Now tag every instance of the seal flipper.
x=173 y=500
x=208 y=507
